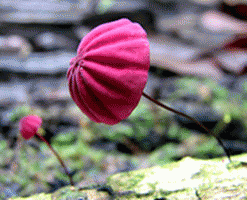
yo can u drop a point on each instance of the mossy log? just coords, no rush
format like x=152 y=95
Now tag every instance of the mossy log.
x=186 y=179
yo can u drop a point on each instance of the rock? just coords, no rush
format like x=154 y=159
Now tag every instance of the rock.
x=222 y=23
x=14 y=45
x=206 y=2
x=51 y=41
x=202 y=68
x=234 y=62
x=48 y=63
x=81 y=31
x=181 y=21
x=50 y=92
x=12 y=93
x=41 y=11
x=178 y=58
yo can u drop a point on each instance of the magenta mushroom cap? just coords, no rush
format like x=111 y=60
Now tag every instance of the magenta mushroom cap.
x=29 y=126
x=107 y=77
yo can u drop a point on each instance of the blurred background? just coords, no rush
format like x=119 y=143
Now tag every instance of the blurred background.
x=198 y=66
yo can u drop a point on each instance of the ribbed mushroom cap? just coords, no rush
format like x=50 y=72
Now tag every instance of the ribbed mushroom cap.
x=107 y=77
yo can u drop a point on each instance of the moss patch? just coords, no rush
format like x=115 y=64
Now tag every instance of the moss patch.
x=187 y=179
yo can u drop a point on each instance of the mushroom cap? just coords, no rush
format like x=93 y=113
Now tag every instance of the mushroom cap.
x=29 y=126
x=107 y=77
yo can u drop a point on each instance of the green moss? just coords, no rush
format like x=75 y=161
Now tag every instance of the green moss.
x=131 y=179
x=69 y=193
x=64 y=139
x=187 y=179
x=41 y=196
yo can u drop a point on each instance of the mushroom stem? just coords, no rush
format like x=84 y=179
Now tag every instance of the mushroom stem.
x=58 y=157
x=192 y=119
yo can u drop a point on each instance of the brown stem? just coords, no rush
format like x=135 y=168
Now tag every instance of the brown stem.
x=58 y=157
x=192 y=119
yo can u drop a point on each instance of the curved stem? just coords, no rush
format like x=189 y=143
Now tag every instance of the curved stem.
x=190 y=118
x=58 y=157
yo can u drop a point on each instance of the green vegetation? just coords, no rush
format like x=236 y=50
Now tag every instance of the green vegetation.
x=33 y=167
